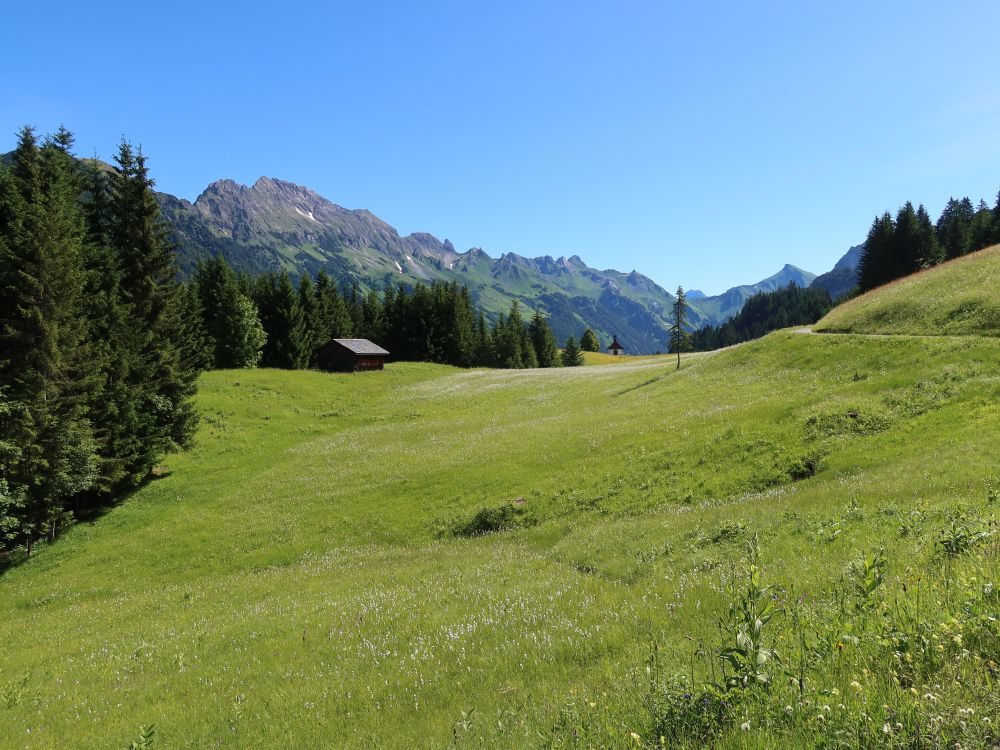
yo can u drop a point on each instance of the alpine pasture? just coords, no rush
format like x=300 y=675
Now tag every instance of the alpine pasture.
x=429 y=557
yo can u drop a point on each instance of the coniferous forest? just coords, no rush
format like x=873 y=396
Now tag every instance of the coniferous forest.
x=96 y=360
x=763 y=313
x=267 y=320
x=897 y=247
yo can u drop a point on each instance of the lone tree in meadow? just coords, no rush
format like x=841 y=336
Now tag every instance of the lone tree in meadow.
x=679 y=338
x=589 y=342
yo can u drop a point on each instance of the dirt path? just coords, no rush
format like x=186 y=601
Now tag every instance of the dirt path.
x=810 y=332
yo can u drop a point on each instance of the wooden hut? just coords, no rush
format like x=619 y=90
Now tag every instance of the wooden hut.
x=351 y=355
x=616 y=349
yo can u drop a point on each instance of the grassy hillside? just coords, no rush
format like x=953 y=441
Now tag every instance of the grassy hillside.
x=315 y=574
x=954 y=299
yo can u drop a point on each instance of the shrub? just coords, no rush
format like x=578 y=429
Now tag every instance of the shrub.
x=504 y=517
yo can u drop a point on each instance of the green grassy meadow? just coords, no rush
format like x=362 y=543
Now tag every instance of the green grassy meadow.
x=957 y=298
x=313 y=574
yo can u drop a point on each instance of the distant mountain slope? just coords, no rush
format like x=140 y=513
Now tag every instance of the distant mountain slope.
x=844 y=275
x=724 y=306
x=275 y=224
x=960 y=297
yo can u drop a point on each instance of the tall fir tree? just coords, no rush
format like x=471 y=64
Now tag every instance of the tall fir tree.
x=954 y=227
x=981 y=230
x=508 y=335
x=335 y=318
x=313 y=316
x=928 y=252
x=281 y=314
x=45 y=362
x=543 y=341
x=876 y=265
x=198 y=351
x=679 y=336
x=571 y=354
x=906 y=243
x=485 y=354
x=161 y=382
x=231 y=318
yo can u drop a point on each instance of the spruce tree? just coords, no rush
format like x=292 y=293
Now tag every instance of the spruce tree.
x=372 y=315
x=679 y=337
x=571 y=354
x=529 y=359
x=335 y=319
x=508 y=335
x=954 y=227
x=981 y=230
x=44 y=357
x=907 y=245
x=461 y=322
x=198 y=351
x=543 y=341
x=312 y=317
x=111 y=333
x=929 y=252
x=155 y=412
x=287 y=344
x=876 y=265
x=485 y=355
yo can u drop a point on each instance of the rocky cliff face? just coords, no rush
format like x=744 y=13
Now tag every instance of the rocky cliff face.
x=844 y=275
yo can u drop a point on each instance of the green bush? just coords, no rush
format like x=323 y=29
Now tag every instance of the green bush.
x=504 y=517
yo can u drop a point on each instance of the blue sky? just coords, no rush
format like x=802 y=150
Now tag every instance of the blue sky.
x=704 y=144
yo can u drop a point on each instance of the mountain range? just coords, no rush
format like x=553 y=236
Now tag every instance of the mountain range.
x=275 y=225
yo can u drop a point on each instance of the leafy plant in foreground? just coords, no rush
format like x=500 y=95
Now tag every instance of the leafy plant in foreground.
x=749 y=661
x=962 y=534
x=869 y=575
x=146 y=740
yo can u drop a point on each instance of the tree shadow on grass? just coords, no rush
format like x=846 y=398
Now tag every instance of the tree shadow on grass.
x=89 y=514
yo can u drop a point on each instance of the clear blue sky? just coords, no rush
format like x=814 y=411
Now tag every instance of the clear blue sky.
x=704 y=144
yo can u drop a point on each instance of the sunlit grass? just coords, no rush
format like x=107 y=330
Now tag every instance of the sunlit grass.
x=957 y=298
x=299 y=579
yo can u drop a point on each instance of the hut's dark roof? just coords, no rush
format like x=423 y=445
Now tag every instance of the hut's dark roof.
x=362 y=346
x=615 y=345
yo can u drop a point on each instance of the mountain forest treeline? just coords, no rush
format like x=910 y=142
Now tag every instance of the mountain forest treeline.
x=763 y=313
x=897 y=247
x=267 y=320
x=97 y=367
